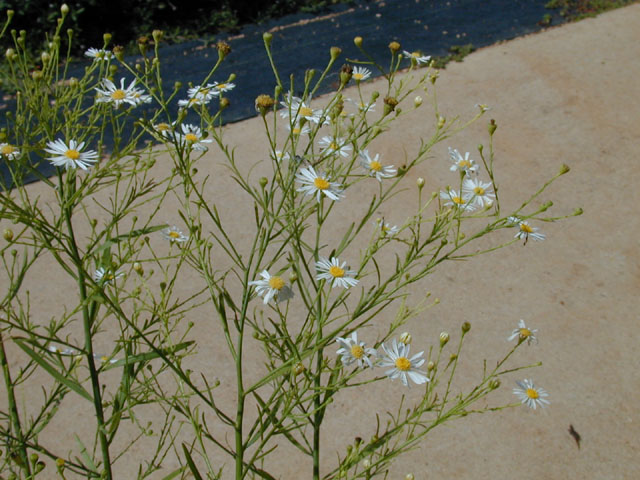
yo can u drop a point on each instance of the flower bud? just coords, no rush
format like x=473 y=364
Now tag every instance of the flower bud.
x=263 y=181
x=106 y=38
x=453 y=357
x=492 y=126
x=64 y=9
x=430 y=365
x=60 y=463
x=466 y=326
x=335 y=52
x=37 y=75
x=480 y=147
x=73 y=82
x=158 y=36
x=420 y=182
x=578 y=211
x=366 y=463
x=406 y=338
x=390 y=104
x=358 y=42
x=441 y=121
x=224 y=103
x=138 y=268
x=11 y=54
x=264 y=104
x=10 y=14
x=444 y=338
x=346 y=72
x=177 y=85
x=394 y=47
x=298 y=368
x=433 y=77
x=417 y=101
x=223 y=48
x=113 y=69
x=118 y=52
x=266 y=38
x=494 y=383
x=564 y=169
x=409 y=476
x=293 y=277
x=8 y=234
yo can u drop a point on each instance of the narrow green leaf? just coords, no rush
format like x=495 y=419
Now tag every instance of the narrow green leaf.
x=66 y=381
x=192 y=465
x=145 y=357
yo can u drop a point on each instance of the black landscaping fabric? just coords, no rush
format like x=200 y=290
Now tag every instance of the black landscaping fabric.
x=302 y=41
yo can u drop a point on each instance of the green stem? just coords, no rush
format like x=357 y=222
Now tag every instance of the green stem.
x=13 y=410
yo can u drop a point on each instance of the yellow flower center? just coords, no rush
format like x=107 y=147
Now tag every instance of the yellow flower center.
x=276 y=283
x=191 y=137
x=162 y=127
x=526 y=228
x=72 y=154
x=104 y=358
x=357 y=351
x=204 y=91
x=415 y=54
x=333 y=146
x=403 y=364
x=320 y=183
x=375 y=166
x=479 y=191
x=458 y=200
x=220 y=86
x=464 y=164
x=118 y=94
x=306 y=111
x=525 y=333
x=532 y=393
x=174 y=234
x=296 y=130
x=8 y=149
x=358 y=76
x=336 y=272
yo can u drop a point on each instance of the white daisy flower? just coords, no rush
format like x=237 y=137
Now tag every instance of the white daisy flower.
x=513 y=221
x=105 y=276
x=279 y=155
x=219 y=88
x=522 y=333
x=164 y=129
x=335 y=145
x=478 y=192
x=140 y=96
x=397 y=356
x=530 y=395
x=318 y=184
x=417 y=57
x=374 y=167
x=299 y=110
x=299 y=130
x=360 y=74
x=70 y=156
x=192 y=136
x=452 y=199
x=363 y=107
x=462 y=164
x=110 y=93
x=335 y=272
x=526 y=231
x=63 y=351
x=104 y=358
x=99 y=54
x=9 y=151
x=353 y=351
x=272 y=286
x=173 y=234
x=386 y=229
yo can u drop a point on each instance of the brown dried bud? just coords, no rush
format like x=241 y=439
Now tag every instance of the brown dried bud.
x=346 y=72
x=394 y=47
x=390 y=104
x=264 y=104
x=224 y=49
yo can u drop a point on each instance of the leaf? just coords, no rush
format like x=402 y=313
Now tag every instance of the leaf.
x=192 y=465
x=66 y=381
x=174 y=474
x=145 y=357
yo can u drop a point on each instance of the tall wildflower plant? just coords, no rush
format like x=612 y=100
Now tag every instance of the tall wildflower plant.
x=316 y=300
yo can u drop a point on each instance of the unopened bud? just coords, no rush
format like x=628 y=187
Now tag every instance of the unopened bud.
x=224 y=103
x=64 y=9
x=453 y=357
x=293 y=277
x=492 y=126
x=10 y=14
x=420 y=182
x=564 y=169
x=266 y=38
x=335 y=52
x=346 y=72
x=298 y=368
x=138 y=268
x=394 y=47
x=578 y=211
x=495 y=383
x=158 y=36
x=8 y=234
x=466 y=326
x=11 y=54
x=433 y=77
x=224 y=49
x=73 y=82
x=441 y=121
x=480 y=147
x=118 y=52
x=430 y=365
x=106 y=38
x=358 y=42
x=444 y=338
x=390 y=104
x=409 y=476
x=60 y=462
x=366 y=463
x=406 y=338
x=177 y=85
x=417 y=101
x=263 y=181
